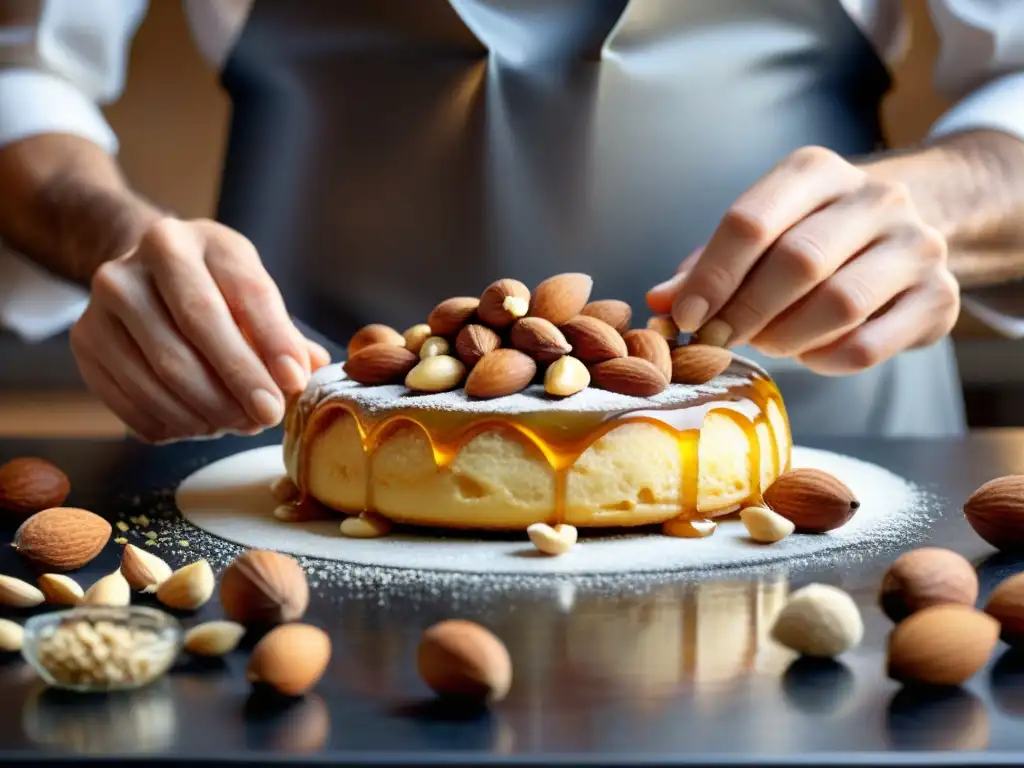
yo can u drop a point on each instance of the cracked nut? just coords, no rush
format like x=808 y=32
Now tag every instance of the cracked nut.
x=143 y=571
x=820 y=621
x=765 y=526
x=434 y=346
x=552 y=540
x=15 y=593
x=415 y=336
x=367 y=525
x=439 y=373
x=112 y=591
x=60 y=589
x=188 y=588
x=665 y=326
x=566 y=376
x=12 y=636
x=503 y=302
x=213 y=638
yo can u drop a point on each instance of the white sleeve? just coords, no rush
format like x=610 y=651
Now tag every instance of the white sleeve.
x=60 y=60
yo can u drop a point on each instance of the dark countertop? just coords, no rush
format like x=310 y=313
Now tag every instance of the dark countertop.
x=674 y=671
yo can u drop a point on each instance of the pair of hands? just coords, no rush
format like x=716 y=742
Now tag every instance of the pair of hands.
x=188 y=335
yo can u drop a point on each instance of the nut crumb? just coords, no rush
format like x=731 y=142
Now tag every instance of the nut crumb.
x=149 y=543
x=151 y=535
x=122 y=526
x=183 y=543
x=120 y=540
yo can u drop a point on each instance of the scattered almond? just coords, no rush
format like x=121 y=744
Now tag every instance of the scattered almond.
x=665 y=326
x=631 y=376
x=380 y=364
x=925 y=577
x=552 y=540
x=367 y=525
x=434 y=346
x=699 y=363
x=765 y=526
x=214 y=638
x=941 y=645
x=264 y=587
x=374 y=333
x=565 y=377
x=448 y=317
x=12 y=636
x=112 y=590
x=284 y=490
x=415 y=336
x=28 y=484
x=1006 y=605
x=996 y=512
x=593 y=340
x=715 y=332
x=62 y=538
x=814 y=500
x=473 y=342
x=539 y=338
x=439 y=373
x=15 y=593
x=291 y=659
x=820 y=621
x=561 y=297
x=142 y=570
x=617 y=314
x=503 y=302
x=652 y=347
x=459 y=659
x=188 y=588
x=499 y=373
x=60 y=589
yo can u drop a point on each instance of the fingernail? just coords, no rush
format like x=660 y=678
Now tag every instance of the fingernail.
x=266 y=408
x=689 y=312
x=715 y=332
x=289 y=374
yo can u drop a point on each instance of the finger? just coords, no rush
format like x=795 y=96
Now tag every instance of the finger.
x=807 y=255
x=920 y=318
x=202 y=316
x=806 y=181
x=318 y=355
x=659 y=298
x=850 y=296
x=131 y=298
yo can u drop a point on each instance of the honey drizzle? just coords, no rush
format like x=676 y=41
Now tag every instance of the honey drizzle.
x=746 y=405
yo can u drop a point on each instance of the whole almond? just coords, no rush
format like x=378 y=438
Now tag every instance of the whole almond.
x=665 y=326
x=593 y=340
x=941 y=645
x=439 y=373
x=814 y=500
x=374 y=333
x=264 y=587
x=62 y=538
x=652 y=347
x=143 y=571
x=15 y=593
x=112 y=590
x=996 y=512
x=503 y=302
x=213 y=638
x=29 y=484
x=539 y=338
x=473 y=342
x=499 y=373
x=561 y=297
x=380 y=364
x=12 y=636
x=60 y=589
x=1006 y=605
x=566 y=376
x=925 y=577
x=291 y=658
x=415 y=336
x=448 y=317
x=462 y=660
x=699 y=363
x=188 y=588
x=617 y=314
x=631 y=376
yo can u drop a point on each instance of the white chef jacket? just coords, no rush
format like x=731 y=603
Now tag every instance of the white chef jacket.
x=60 y=64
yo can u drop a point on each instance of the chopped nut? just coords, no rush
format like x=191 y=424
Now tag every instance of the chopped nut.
x=121 y=526
x=120 y=540
x=183 y=543
x=550 y=540
x=766 y=526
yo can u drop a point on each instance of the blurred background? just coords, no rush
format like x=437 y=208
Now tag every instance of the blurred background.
x=172 y=93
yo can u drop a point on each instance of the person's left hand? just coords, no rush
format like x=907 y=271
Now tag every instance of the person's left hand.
x=821 y=262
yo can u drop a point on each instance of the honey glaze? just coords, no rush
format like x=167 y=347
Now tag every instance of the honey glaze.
x=563 y=437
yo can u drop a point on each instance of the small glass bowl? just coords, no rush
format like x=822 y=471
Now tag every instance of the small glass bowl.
x=94 y=649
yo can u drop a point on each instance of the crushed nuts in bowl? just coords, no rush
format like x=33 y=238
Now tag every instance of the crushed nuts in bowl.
x=98 y=648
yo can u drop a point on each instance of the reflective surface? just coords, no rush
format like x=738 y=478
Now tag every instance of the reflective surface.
x=672 y=672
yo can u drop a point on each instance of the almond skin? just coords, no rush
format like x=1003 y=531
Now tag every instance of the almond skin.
x=264 y=587
x=459 y=659
x=942 y=645
x=540 y=339
x=374 y=333
x=699 y=363
x=473 y=342
x=593 y=340
x=1006 y=605
x=448 y=317
x=652 y=347
x=503 y=302
x=28 y=485
x=291 y=658
x=925 y=577
x=561 y=297
x=499 y=373
x=380 y=364
x=815 y=501
x=618 y=314
x=996 y=512
x=62 y=538
x=631 y=376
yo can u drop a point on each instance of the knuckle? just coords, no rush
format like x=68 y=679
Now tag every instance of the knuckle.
x=744 y=313
x=849 y=300
x=747 y=224
x=161 y=236
x=108 y=282
x=802 y=256
x=931 y=244
x=862 y=354
x=812 y=156
x=887 y=194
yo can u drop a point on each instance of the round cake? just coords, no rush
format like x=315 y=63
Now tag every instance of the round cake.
x=595 y=459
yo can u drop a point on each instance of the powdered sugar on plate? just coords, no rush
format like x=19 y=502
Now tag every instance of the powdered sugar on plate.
x=230 y=499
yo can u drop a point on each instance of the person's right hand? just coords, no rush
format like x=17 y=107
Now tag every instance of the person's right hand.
x=188 y=336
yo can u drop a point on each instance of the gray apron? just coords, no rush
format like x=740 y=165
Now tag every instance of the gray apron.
x=385 y=154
